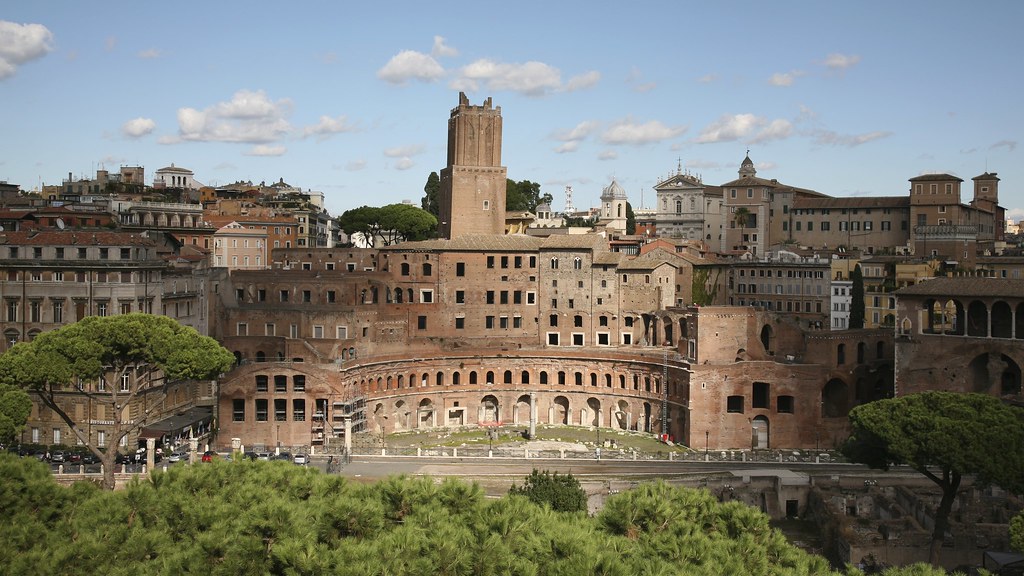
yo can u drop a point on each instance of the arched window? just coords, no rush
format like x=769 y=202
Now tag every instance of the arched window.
x=679 y=206
x=554 y=263
x=405 y=268
x=577 y=263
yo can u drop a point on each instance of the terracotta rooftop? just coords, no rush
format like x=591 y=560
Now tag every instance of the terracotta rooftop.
x=804 y=203
x=73 y=237
x=966 y=286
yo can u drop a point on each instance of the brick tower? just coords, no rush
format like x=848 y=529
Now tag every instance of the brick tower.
x=473 y=183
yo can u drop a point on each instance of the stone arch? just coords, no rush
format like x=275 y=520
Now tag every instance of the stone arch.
x=425 y=414
x=1018 y=325
x=977 y=319
x=621 y=415
x=560 y=410
x=767 y=339
x=835 y=399
x=841 y=354
x=593 y=412
x=668 y=325
x=759 y=433
x=490 y=410
x=439 y=378
x=994 y=372
x=261 y=356
x=398 y=295
x=1002 y=320
x=647 y=427
x=401 y=416
x=522 y=411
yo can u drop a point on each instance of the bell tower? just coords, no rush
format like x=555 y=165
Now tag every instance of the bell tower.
x=472 y=195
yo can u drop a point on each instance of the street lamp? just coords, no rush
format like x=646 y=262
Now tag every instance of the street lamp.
x=707 y=440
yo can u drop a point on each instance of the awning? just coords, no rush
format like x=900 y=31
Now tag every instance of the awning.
x=180 y=424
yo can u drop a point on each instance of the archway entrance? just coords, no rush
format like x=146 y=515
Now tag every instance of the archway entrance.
x=759 y=433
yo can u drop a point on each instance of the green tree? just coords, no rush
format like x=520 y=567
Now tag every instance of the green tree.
x=857 y=298
x=560 y=491
x=1017 y=532
x=524 y=196
x=630 y=219
x=364 y=221
x=403 y=223
x=742 y=217
x=15 y=407
x=431 y=201
x=944 y=436
x=151 y=351
x=391 y=224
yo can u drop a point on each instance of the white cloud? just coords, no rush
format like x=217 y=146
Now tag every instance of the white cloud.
x=730 y=128
x=150 y=54
x=404 y=151
x=567 y=147
x=266 y=150
x=1015 y=214
x=1010 y=145
x=608 y=155
x=784 y=78
x=775 y=130
x=629 y=132
x=841 y=61
x=647 y=87
x=441 y=50
x=579 y=132
x=529 y=78
x=249 y=117
x=20 y=44
x=708 y=78
x=410 y=65
x=404 y=163
x=328 y=126
x=138 y=127
x=583 y=81
x=355 y=165
x=830 y=138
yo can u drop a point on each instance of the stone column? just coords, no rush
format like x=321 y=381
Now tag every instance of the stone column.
x=348 y=434
x=193 y=447
x=533 y=415
x=150 y=453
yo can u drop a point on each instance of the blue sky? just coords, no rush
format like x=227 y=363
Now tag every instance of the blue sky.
x=352 y=99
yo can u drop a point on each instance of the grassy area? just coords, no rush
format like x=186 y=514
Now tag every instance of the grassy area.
x=512 y=436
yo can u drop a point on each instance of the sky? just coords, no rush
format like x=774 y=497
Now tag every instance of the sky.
x=353 y=99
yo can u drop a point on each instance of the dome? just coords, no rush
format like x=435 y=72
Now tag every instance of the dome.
x=613 y=191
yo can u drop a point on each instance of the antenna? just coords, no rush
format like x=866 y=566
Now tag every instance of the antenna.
x=569 y=208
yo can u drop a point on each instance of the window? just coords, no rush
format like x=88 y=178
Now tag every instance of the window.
x=280 y=384
x=761 y=395
x=299 y=383
x=269 y=329
x=299 y=410
x=460 y=323
x=332 y=296
x=58 y=312
x=504 y=297
x=284 y=295
x=126 y=382
x=489 y=298
x=261 y=295
x=734 y=404
x=489 y=322
x=490 y=261
x=238 y=410
x=426 y=296
x=318 y=332
x=460 y=296
x=554 y=263
x=553 y=320
x=503 y=322
x=531 y=297
x=504 y=261
x=421 y=322
x=307 y=296
x=784 y=405
x=552 y=338
x=242 y=329
x=518 y=262
x=342 y=332
x=577 y=321
x=280 y=410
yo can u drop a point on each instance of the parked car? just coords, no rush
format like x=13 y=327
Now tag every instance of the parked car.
x=283 y=456
x=178 y=456
x=210 y=456
x=263 y=456
x=300 y=459
x=58 y=456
